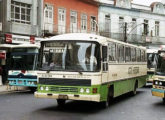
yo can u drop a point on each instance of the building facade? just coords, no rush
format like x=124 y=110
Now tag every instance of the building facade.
x=68 y=16
x=121 y=19
x=20 y=19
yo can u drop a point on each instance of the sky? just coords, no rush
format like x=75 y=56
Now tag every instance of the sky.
x=146 y=2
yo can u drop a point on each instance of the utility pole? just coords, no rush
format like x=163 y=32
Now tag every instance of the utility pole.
x=125 y=32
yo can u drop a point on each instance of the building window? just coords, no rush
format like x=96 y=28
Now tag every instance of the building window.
x=83 y=22
x=73 y=21
x=121 y=25
x=107 y=23
x=156 y=28
x=134 y=26
x=146 y=27
x=20 y=12
x=48 y=12
x=93 y=24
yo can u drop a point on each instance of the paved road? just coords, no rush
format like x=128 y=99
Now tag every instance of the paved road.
x=23 y=106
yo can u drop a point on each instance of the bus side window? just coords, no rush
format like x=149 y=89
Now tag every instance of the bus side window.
x=133 y=54
x=127 y=54
x=143 y=56
x=112 y=51
x=120 y=53
x=138 y=55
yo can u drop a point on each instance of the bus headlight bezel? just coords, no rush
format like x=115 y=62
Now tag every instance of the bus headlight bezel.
x=41 y=88
x=156 y=83
x=82 y=90
x=87 y=90
x=47 y=88
x=160 y=83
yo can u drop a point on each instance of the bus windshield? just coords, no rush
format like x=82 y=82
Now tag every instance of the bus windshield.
x=161 y=62
x=71 y=56
x=151 y=63
x=23 y=58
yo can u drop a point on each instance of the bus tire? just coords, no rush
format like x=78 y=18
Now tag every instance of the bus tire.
x=134 y=92
x=61 y=102
x=109 y=100
x=163 y=100
x=32 y=89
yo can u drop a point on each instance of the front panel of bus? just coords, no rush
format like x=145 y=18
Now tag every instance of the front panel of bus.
x=23 y=62
x=159 y=78
x=70 y=70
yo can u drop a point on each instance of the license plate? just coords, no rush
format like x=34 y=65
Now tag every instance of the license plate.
x=63 y=97
x=20 y=82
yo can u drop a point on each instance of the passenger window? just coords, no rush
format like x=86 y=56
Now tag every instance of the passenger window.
x=127 y=54
x=143 y=55
x=138 y=53
x=120 y=53
x=112 y=51
x=133 y=54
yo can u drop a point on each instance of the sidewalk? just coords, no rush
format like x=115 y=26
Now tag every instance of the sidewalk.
x=7 y=88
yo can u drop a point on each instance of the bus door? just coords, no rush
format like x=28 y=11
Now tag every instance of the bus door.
x=104 y=64
x=2 y=66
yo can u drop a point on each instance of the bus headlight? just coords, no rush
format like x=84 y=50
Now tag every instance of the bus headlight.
x=41 y=88
x=156 y=83
x=81 y=90
x=47 y=88
x=87 y=90
x=160 y=83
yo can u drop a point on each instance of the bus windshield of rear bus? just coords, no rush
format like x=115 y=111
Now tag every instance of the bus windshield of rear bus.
x=24 y=58
x=161 y=62
x=70 y=56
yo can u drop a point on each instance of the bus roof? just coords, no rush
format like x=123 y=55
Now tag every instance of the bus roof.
x=152 y=50
x=19 y=46
x=88 y=37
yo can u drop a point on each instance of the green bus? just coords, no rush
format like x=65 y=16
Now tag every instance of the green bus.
x=88 y=67
x=158 y=88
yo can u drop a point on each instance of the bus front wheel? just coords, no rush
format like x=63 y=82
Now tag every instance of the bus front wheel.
x=134 y=89
x=61 y=102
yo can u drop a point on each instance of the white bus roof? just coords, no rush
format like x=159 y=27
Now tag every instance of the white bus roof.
x=19 y=46
x=152 y=50
x=87 y=37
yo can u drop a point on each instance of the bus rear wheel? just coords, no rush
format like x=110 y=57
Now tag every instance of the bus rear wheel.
x=163 y=100
x=60 y=102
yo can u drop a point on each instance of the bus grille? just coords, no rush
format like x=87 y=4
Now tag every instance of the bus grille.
x=65 y=82
x=63 y=89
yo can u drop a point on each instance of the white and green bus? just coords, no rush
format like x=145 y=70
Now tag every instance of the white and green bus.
x=89 y=67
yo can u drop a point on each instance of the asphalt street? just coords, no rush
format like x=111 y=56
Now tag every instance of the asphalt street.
x=23 y=106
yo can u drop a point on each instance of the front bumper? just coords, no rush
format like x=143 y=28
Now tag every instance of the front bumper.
x=23 y=82
x=95 y=98
x=158 y=92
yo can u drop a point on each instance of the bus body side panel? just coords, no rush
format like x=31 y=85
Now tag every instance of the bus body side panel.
x=123 y=77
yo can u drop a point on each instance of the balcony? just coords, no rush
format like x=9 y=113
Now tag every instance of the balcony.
x=53 y=29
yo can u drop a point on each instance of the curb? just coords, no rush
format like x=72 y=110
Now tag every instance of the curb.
x=7 y=88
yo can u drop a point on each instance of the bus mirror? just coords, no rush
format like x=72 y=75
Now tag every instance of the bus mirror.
x=104 y=53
